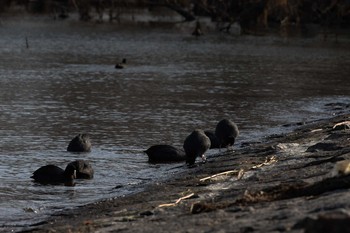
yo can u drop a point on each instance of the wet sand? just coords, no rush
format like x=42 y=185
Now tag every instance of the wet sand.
x=284 y=183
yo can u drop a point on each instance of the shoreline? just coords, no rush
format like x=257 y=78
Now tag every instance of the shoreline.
x=285 y=183
x=309 y=31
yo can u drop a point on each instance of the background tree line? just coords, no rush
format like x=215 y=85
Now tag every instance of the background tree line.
x=249 y=14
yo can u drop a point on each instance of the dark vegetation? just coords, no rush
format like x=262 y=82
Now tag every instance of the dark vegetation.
x=252 y=15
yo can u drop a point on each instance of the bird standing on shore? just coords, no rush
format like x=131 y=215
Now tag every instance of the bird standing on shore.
x=195 y=145
x=226 y=131
x=121 y=65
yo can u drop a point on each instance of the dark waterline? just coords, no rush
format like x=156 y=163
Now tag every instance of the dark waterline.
x=65 y=84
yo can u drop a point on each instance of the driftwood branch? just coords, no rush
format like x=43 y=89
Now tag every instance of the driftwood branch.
x=268 y=161
x=240 y=172
x=187 y=15
x=175 y=7
x=226 y=173
x=281 y=192
x=178 y=200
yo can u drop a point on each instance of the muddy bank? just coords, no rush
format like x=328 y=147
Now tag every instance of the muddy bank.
x=295 y=182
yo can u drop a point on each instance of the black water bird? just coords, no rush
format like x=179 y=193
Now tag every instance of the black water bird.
x=195 y=145
x=214 y=141
x=164 y=154
x=226 y=131
x=83 y=169
x=121 y=65
x=80 y=143
x=197 y=30
x=51 y=174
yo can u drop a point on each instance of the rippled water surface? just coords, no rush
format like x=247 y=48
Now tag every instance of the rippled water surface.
x=65 y=83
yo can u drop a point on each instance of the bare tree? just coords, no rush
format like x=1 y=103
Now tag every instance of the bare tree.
x=180 y=7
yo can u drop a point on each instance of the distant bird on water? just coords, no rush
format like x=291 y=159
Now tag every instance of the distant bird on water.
x=226 y=131
x=51 y=174
x=197 y=30
x=121 y=65
x=80 y=143
x=195 y=145
x=165 y=154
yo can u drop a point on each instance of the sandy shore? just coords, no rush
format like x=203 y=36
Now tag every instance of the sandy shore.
x=292 y=182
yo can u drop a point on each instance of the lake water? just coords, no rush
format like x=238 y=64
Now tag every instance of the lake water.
x=65 y=83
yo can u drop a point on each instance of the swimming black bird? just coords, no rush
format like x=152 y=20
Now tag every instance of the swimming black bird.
x=51 y=174
x=165 y=154
x=226 y=131
x=121 y=65
x=83 y=169
x=80 y=143
x=195 y=145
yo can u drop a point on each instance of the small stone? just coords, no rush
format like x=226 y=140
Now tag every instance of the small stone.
x=198 y=207
x=342 y=167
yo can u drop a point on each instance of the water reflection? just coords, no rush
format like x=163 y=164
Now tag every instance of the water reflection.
x=66 y=84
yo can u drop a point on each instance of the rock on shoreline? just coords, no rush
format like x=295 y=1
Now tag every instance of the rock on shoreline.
x=287 y=183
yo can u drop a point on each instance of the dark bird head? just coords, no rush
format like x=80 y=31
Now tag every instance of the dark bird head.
x=80 y=143
x=83 y=169
x=121 y=65
x=70 y=173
